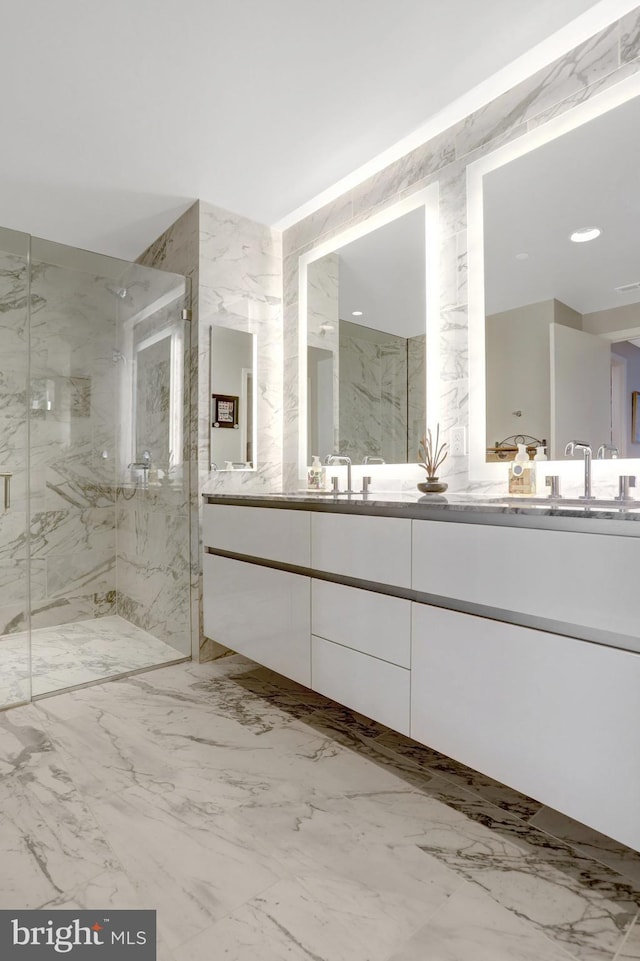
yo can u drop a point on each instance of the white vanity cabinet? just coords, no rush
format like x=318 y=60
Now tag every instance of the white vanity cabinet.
x=361 y=651
x=554 y=717
x=260 y=612
x=371 y=548
x=476 y=639
x=257 y=610
x=273 y=534
x=570 y=577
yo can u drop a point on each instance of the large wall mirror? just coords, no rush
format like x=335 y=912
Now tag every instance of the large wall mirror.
x=555 y=285
x=366 y=356
x=233 y=399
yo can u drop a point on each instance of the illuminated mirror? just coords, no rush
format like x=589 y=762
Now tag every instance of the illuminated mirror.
x=233 y=399
x=555 y=284
x=368 y=364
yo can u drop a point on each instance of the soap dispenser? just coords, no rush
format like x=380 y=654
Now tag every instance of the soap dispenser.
x=522 y=478
x=316 y=475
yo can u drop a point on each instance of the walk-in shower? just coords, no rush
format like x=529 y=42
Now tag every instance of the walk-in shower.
x=94 y=563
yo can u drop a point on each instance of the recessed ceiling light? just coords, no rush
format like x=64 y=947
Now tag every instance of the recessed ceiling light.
x=522 y=256
x=356 y=313
x=584 y=234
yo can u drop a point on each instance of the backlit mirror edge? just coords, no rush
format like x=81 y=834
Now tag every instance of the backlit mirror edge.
x=427 y=197
x=479 y=470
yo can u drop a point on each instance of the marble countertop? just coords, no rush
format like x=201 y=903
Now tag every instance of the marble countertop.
x=463 y=507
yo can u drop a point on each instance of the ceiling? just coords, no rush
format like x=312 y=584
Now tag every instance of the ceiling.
x=117 y=116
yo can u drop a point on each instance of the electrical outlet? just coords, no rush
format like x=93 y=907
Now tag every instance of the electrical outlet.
x=458 y=441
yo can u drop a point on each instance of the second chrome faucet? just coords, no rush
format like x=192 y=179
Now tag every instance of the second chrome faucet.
x=570 y=449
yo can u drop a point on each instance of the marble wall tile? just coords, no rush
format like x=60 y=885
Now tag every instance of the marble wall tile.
x=415 y=166
x=454 y=346
x=14 y=617
x=89 y=571
x=147 y=520
x=324 y=222
x=416 y=393
x=591 y=60
x=71 y=531
x=584 y=93
x=176 y=249
x=630 y=36
x=603 y=60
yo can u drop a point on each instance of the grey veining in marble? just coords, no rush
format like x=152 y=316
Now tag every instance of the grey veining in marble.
x=464 y=507
x=235 y=266
x=262 y=820
x=77 y=653
x=630 y=36
x=602 y=61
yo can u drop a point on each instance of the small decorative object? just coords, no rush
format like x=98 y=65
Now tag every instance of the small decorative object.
x=224 y=411
x=432 y=455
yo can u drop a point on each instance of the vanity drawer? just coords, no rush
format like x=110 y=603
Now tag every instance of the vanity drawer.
x=365 y=684
x=272 y=533
x=571 y=578
x=259 y=612
x=551 y=716
x=364 y=621
x=370 y=548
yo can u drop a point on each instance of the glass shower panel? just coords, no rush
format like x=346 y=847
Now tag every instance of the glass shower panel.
x=14 y=377
x=82 y=630
x=153 y=499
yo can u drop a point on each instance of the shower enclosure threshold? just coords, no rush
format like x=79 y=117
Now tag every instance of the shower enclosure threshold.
x=79 y=654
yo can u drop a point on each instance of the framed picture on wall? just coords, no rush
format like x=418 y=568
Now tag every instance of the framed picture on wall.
x=635 y=417
x=224 y=410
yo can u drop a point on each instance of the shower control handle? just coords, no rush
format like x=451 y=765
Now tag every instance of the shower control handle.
x=7 y=488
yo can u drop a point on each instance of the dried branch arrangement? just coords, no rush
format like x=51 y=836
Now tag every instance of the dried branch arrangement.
x=432 y=453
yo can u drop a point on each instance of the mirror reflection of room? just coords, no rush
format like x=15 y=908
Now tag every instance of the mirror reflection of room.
x=366 y=340
x=232 y=436
x=562 y=290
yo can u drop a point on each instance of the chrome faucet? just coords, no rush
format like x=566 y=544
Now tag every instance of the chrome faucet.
x=341 y=459
x=573 y=446
x=602 y=451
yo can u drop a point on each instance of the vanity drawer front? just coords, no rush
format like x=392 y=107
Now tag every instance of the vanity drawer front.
x=573 y=578
x=374 y=688
x=273 y=533
x=371 y=623
x=371 y=548
x=551 y=716
x=259 y=612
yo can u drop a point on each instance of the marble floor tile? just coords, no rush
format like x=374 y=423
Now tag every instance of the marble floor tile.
x=192 y=874
x=307 y=917
x=264 y=822
x=472 y=927
x=630 y=948
x=590 y=843
x=76 y=653
x=49 y=839
x=430 y=761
